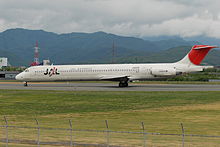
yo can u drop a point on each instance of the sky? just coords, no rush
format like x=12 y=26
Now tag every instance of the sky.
x=140 y=18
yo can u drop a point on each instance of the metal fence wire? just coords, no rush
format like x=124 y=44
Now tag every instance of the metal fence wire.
x=40 y=136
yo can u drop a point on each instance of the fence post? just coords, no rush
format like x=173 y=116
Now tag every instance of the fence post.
x=183 y=134
x=38 y=133
x=71 y=132
x=107 y=132
x=144 y=134
x=6 y=131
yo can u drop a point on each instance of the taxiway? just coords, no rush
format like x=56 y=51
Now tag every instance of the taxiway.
x=109 y=86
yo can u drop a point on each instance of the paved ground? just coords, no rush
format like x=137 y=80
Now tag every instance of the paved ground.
x=109 y=87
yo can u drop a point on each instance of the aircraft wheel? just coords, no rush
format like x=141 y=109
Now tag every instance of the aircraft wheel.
x=123 y=84
x=25 y=84
x=126 y=84
x=120 y=84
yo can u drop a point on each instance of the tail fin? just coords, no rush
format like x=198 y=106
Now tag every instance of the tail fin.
x=196 y=54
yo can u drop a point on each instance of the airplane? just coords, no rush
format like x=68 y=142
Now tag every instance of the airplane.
x=123 y=73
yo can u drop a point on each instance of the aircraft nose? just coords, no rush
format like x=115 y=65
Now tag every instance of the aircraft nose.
x=19 y=77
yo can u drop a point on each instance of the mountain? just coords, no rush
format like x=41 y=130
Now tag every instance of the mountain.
x=13 y=58
x=205 y=40
x=174 y=42
x=172 y=55
x=190 y=40
x=69 y=48
x=79 y=48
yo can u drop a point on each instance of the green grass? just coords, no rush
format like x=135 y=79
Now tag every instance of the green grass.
x=161 y=111
x=59 y=102
x=45 y=103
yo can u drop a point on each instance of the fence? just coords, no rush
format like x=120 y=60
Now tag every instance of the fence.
x=40 y=136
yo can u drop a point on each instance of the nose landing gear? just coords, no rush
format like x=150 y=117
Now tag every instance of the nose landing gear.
x=25 y=84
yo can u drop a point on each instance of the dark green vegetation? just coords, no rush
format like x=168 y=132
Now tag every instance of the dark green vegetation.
x=205 y=76
x=11 y=68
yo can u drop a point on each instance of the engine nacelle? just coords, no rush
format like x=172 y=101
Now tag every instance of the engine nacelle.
x=164 y=72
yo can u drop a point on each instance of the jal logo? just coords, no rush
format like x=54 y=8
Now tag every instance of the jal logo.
x=52 y=71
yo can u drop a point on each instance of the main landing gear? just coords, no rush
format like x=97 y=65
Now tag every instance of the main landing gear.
x=25 y=84
x=123 y=84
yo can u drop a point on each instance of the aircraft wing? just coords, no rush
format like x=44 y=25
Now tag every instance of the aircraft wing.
x=114 y=78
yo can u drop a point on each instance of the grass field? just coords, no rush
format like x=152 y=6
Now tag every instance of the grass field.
x=160 y=111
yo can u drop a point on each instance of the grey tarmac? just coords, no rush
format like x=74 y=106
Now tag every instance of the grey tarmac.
x=93 y=86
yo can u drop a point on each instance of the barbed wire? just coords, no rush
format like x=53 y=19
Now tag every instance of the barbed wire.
x=110 y=131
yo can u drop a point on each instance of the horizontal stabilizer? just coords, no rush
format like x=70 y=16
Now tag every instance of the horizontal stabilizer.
x=197 y=47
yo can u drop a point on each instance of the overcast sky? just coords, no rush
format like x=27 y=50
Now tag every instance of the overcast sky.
x=123 y=17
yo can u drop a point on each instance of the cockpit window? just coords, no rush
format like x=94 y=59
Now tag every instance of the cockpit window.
x=26 y=70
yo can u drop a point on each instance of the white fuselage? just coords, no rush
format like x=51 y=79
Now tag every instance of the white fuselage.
x=117 y=72
x=111 y=72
